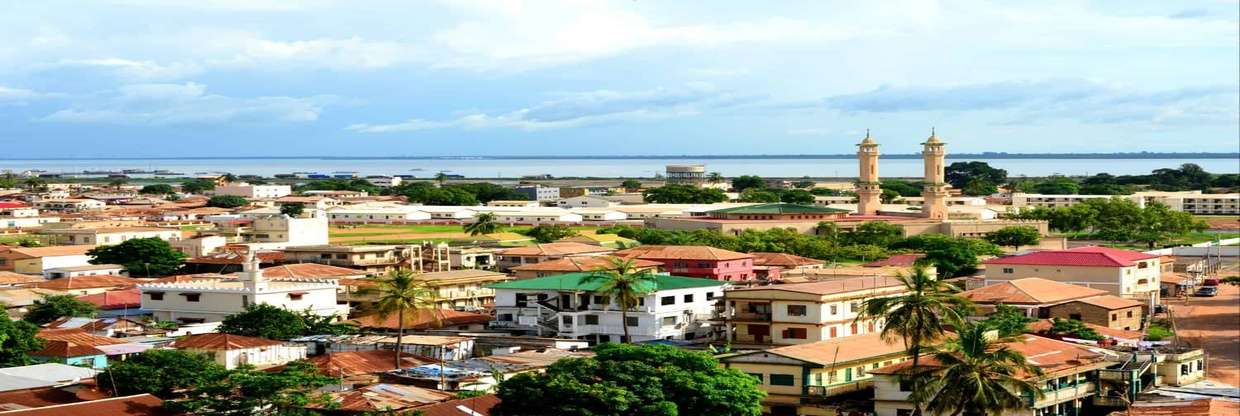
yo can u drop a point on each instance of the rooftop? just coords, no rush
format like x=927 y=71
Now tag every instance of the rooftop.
x=304 y=271
x=655 y=252
x=1082 y=256
x=66 y=349
x=42 y=375
x=783 y=260
x=423 y=319
x=385 y=398
x=901 y=260
x=779 y=208
x=87 y=268
x=222 y=342
x=78 y=336
x=8 y=278
x=581 y=282
x=1050 y=355
x=841 y=350
x=85 y=282
x=1111 y=302
x=828 y=287
x=1043 y=326
x=351 y=363
x=555 y=249
x=51 y=251
x=138 y=405
x=1030 y=291
x=581 y=264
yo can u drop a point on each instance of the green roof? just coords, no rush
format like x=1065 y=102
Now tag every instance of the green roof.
x=577 y=282
x=779 y=208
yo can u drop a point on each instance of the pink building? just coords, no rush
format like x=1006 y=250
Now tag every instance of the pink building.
x=699 y=261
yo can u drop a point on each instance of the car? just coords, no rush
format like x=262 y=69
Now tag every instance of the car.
x=1210 y=282
x=1160 y=308
x=1207 y=291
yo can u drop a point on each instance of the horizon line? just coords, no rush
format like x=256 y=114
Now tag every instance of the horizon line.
x=990 y=155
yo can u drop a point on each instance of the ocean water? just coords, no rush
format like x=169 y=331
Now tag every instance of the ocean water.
x=510 y=168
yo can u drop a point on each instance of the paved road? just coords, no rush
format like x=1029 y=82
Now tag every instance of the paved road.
x=1214 y=323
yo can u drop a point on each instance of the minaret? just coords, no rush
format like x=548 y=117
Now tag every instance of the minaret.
x=251 y=276
x=868 y=189
x=934 y=189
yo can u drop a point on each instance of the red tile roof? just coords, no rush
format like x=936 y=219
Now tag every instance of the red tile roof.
x=10 y=204
x=85 y=282
x=385 y=399
x=1081 y=256
x=309 y=271
x=234 y=257
x=581 y=264
x=1029 y=291
x=40 y=397
x=51 y=251
x=1195 y=407
x=77 y=336
x=115 y=299
x=681 y=253
x=9 y=278
x=66 y=349
x=424 y=319
x=222 y=342
x=477 y=406
x=900 y=260
x=783 y=260
x=352 y=363
x=1047 y=354
x=138 y=405
x=1043 y=326
x=1111 y=302
x=555 y=249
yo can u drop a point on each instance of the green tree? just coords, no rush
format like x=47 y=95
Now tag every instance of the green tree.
x=888 y=196
x=226 y=201
x=741 y=183
x=1160 y=223
x=917 y=317
x=548 y=233
x=759 y=195
x=117 y=183
x=797 y=196
x=8 y=180
x=140 y=256
x=979 y=377
x=247 y=391
x=197 y=186
x=979 y=187
x=950 y=256
x=442 y=178
x=162 y=372
x=714 y=177
x=624 y=283
x=1057 y=185
x=400 y=294
x=804 y=183
x=157 y=189
x=1106 y=189
x=1009 y=320
x=17 y=340
x=1115 y=219
x=292 y=210
x=264 y=321
x=904 y=188
x=683 y=194
x=878 y=233
x=34 y=183
x=1015 y=236
x=229 y=178
x=1231 y=280
x=631 y=185
x=961 y=174
x=53 y=307
x=1073 y=329
x=484 y=223
x=632 y=380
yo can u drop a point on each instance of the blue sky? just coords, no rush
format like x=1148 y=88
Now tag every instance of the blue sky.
x=373 y=78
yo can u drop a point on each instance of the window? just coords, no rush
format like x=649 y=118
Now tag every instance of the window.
x=1114 y=317
x=641 y=301
x=834 y=309
x=567 y=319
x=710 y=295
x=795 y=333
x=1008 y=270
x=906 y=385
x=833 y=332
x=156 y=295
x=1129 y=314
x=591 y=319
x=630 y=321
x=1199 y=367
x=667 y=300
x=852 y=307
x=191 y=297
x=669 y=320
x=1142 y=265
x=782 y=380
x=505 y=317
x=602 y=300
x=689 y=298
x=1074 y=316
x=757 y=376
x=796 y=310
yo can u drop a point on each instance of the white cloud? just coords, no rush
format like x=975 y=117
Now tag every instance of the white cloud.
x=189 y=103
x=22 y=96
x=584 y=109
x=139 y=70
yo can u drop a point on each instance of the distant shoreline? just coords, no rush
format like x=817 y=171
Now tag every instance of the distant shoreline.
x=985 y=155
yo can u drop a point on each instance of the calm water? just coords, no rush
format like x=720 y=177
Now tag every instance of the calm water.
x=605 y=168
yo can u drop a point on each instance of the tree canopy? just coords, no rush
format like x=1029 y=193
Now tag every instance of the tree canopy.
x=248 y=391
x=631 y=184
x=624 y=379
x=293 y=210
x=973 y=178
x=197 y=186
x=683 y=194
x=1009 y=320
x=950 y=256
x=162 y=372
x=1015 y=236
x=53 y=307
x=227 y=201
x=741 y=183
x=157 y=189
x=273 y=322
x=547 y=233
x=140 y=256
x=17 y=340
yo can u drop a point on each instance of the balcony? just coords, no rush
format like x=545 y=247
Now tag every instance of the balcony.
x=358 y=262
x=751 y=316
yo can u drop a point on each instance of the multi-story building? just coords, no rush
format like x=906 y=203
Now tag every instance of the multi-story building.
x=113 y=235
x=698 y=261
x=250 y=191
x=466 y=290
x=539 y=253
x=1193 y=202
x=34 y=260
x=538 y=192
x=686 y=174
x=1070 y=378
x=376 y=214
x=269 y=226
x=778 y=211
x=800 y=313
x=800 y=379
x=371 y=259
x=579 y=265
x=211 y=300
x=384 y=181
x=1123 y=273
x=569 y=306
x=69 y=205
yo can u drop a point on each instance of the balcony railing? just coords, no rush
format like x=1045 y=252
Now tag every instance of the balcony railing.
x=751 y=316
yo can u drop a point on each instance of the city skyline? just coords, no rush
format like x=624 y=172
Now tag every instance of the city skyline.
x=254 y=78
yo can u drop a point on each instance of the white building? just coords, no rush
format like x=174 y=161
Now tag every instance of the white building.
x=513 y=203
x=268 y=225
x=232 y=351
x=1193 y=202
x=87 y=270
x=585 y=202
x=384 y=181
x=199 y=246
x=212 y=300
x=568 y=306
x=250 y=191
x=115 y=235
x=599 y=214
x=69 y=205
x=376 y=214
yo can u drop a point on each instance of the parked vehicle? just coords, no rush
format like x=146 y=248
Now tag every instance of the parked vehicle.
x=1207 y=291
x=1210 y=282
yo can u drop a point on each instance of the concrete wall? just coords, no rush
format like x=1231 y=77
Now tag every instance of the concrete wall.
x=1128 y=319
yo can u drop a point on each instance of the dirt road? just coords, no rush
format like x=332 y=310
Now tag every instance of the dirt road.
x=1214 y=324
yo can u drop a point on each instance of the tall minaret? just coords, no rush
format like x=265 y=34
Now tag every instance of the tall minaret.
x=868 y=190
x=934 y=189
x=251 y=275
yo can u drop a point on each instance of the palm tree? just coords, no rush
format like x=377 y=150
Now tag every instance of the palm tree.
x=917 y=316
x=34 y=183
x=484 y=223
x=399 y=293
x=979 y=376
x=441 y=177
x=117 y=183
x=623 y=282
x=230 y=178
x=714 y=177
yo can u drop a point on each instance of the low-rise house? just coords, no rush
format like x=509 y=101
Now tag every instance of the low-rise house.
x=136 y=405
x=580 y=265
x=1070 y=378
x=232 y=351
x=199 y=246
x=309 y=202
x=802 y=313
x=384 y=181
x=699 y=261
x=69 y=205
x=34 y=260
x=211 y=300
x=362 y=366
x=86 y=285
x=43 y=375
x=433 y=347
x=472 y=257
x=798 y=378
x=477 y=374
x=250 y=191
x=376 y=214
x=1123 y=273
x=569 y=305
x=538 y=253
x=18 y=300
x=585 y=202
x=513 y=203
x=384 y=398
x=425 y=319
x=1107 y=310
x=87 y=270
x=599 y=214
x=782 y=263
x=368 y=259
x=10 y=279
x=113 y=348
x=66 y=352
x=113 y=236
x=1031 y=294
x=104 y=327
x=117 y=303
x=337 y=194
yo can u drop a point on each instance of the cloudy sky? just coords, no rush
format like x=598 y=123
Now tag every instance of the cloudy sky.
x=492 y=77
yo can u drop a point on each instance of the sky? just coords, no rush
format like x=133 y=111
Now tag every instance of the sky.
x=151 y=78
